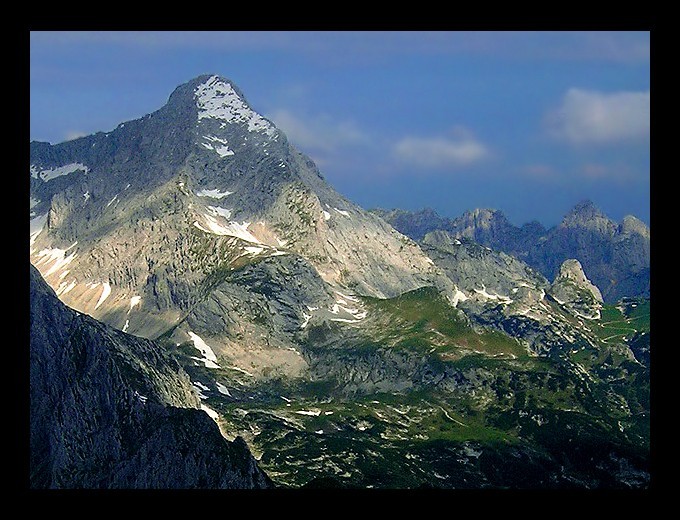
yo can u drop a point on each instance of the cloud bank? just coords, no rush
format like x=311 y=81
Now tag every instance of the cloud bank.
x=440 y=152
x=591 y=117
x=609 y=46
x=317 y=133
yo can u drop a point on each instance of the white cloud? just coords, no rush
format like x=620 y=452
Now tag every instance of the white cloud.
x=74 y=134
x=320 y=133
x=440 y=152
x=590 y=117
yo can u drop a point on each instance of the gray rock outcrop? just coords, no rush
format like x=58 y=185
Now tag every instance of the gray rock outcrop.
x=499 y=291
x=109 y=410
x=575 y=292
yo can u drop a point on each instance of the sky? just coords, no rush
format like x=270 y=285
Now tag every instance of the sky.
x=529 y=123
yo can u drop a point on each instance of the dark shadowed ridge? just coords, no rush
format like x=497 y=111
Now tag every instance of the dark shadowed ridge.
x=110 y=410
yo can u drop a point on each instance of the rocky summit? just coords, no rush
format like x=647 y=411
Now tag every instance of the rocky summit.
x=144 y=228
x=209 y=265
x=572 y=289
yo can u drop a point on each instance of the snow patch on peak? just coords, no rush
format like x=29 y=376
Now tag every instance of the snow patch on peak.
x=200 y=385
x=212 y=413
x=56 y=256
x=134 y=301
x=64 y=288
x=217 y=99
x=459 y=296
x=484 y=294
x=313 y=413
x=253 y=250
x=354 y=315
x=346 y=297
x=222 y=389
x=218 y=211
x=307 y=317
x=198 y=388
x=139 y=396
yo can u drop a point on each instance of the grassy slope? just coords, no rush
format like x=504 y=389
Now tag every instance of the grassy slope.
x=422 y=319
x=616 y=325
x=402 y=440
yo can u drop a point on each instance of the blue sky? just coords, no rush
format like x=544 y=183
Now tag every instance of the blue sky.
x=526 y=122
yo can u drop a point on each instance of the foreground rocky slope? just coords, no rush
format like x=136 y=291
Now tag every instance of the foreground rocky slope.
x=108 y=410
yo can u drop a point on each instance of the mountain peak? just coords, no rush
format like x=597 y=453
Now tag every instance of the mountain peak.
x=485 y=218
x=218 y=99
x=216 y=102
x=587 y=215
x=187 y=89
x=585 y=210
x=633 y=225
x=573 y=290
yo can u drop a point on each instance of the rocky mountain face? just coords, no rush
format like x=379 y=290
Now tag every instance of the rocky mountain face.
x=142 y=226
x=109 y=410
x=413 y=224
x=573 y=290
x=499 y=291
x=481 y=273
x=614 y=256
x=339 y=349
